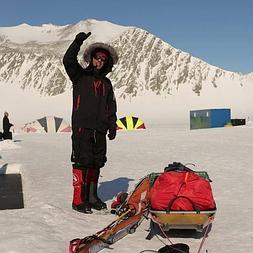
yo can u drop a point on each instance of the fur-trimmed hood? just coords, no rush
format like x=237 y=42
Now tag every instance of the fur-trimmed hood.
x=90 y=49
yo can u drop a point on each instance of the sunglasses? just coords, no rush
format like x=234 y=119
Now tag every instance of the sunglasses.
x=99 y=58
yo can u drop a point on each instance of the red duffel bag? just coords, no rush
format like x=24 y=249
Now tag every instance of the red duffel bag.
x=181 y=190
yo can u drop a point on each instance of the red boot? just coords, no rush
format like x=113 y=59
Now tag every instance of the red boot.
x=81 y=191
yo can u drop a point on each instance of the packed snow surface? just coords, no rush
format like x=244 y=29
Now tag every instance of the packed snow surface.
x=47 y=223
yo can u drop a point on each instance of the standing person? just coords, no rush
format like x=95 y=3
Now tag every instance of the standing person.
x=6 y=127
x=93 y=115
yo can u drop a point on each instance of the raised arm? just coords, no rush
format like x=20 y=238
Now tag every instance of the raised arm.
x=73 y=68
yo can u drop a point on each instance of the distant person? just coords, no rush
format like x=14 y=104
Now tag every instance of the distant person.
x=6 y=127
x=93 y=115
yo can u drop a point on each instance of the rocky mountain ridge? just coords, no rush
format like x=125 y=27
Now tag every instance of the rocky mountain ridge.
x=146 y=62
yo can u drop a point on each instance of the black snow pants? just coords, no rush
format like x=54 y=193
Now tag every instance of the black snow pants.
x=88 y=148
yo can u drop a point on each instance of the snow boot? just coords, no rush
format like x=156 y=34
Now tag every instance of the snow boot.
x=82 y=208
x=95 y=202
x=81 y=192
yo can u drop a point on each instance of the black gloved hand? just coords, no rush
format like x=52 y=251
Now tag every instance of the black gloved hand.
x=112 y=134
x=81 y=37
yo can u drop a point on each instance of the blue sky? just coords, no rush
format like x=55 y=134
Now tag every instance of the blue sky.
x=219 y=32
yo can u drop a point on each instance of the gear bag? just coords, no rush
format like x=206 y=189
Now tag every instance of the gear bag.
x=181 y=189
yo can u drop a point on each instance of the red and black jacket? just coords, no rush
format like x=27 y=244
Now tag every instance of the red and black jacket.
x=94 y=104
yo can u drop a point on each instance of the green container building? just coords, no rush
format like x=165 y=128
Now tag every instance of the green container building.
x=209 y=118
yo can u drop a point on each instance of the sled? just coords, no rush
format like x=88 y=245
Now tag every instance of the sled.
x=130 y=215
x=115 y=231
x=196 y=220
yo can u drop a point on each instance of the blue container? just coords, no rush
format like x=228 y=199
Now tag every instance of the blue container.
x=209 y=118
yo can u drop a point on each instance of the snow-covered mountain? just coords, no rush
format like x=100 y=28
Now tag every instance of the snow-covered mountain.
x=31 y=57
x=151 y=80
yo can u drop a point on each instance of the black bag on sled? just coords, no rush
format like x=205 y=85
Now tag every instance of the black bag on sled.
x=175 y=248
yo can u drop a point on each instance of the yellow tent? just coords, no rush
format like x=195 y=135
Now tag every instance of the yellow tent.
x=130 y=123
